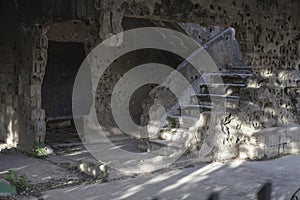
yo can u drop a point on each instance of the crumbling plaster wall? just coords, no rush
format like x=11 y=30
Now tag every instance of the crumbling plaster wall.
x=33 y=46
x=8 y=75
x=268 y=34
x=122 y=65
x=8 y=95
x=267 y=31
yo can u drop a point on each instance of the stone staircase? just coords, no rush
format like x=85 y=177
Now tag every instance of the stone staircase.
x=188 y=123
x=194 y=118
x=170 y=145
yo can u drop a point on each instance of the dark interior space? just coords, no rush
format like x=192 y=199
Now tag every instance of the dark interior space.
x=8 y=21
x=136 y=101
x=64 y=60
x=8 y=34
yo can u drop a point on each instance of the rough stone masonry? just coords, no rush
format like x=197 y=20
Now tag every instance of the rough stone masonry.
x=266 y=31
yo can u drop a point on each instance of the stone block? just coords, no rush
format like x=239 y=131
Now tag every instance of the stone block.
x=176 y=135
x=251 y=151
x=227 y=152
x=272 y=142
x=39 y=127
x=38 y=67
x=35 y=90
x=41 y=42
x=271 y=151
x=293 y=147
x=36 y=102
x=293 y=134
x=38 y=114
x=94 y=169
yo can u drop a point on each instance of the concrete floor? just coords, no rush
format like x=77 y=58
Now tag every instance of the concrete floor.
x=236 y=179
x=233 y=180
x=37 y=170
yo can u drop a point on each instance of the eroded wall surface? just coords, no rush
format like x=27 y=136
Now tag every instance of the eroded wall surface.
x=8 y=76
x=64 y=60
x=267 y=31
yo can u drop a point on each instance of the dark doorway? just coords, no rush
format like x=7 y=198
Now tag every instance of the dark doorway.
x=64 y=60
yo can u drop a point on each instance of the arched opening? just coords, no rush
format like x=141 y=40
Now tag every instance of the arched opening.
x=64 y=60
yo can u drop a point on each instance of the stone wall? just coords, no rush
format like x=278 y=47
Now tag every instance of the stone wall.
x=8 y=75
x=32 y=57
x=32 y=45
x=267 y=31
x=268 y=34
x=124 y=64
x=9 y=96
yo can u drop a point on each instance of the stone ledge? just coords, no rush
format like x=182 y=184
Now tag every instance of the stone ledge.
x=271 y=143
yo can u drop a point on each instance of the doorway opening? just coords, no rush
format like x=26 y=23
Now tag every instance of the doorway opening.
x=64 y=60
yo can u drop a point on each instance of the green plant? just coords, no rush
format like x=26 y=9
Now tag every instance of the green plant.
x=20 y=182
x=171 y=122
x=38 y=152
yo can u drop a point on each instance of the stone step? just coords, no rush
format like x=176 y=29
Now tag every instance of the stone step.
x=197 y=106
x=217 y=85
x=195 y=110
x=207 y=98
x=229 y=73
x=227 y=79
x=222 y=89
x=204 y=116
x=204 y=119
x=185 y=121
x=155 y=145
x=175 y=129
x=179 y=135
x=93 y=168
x=271 y=142
x=165 y=151
x=208 y=105
x=237 y=70
x=235 y=67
